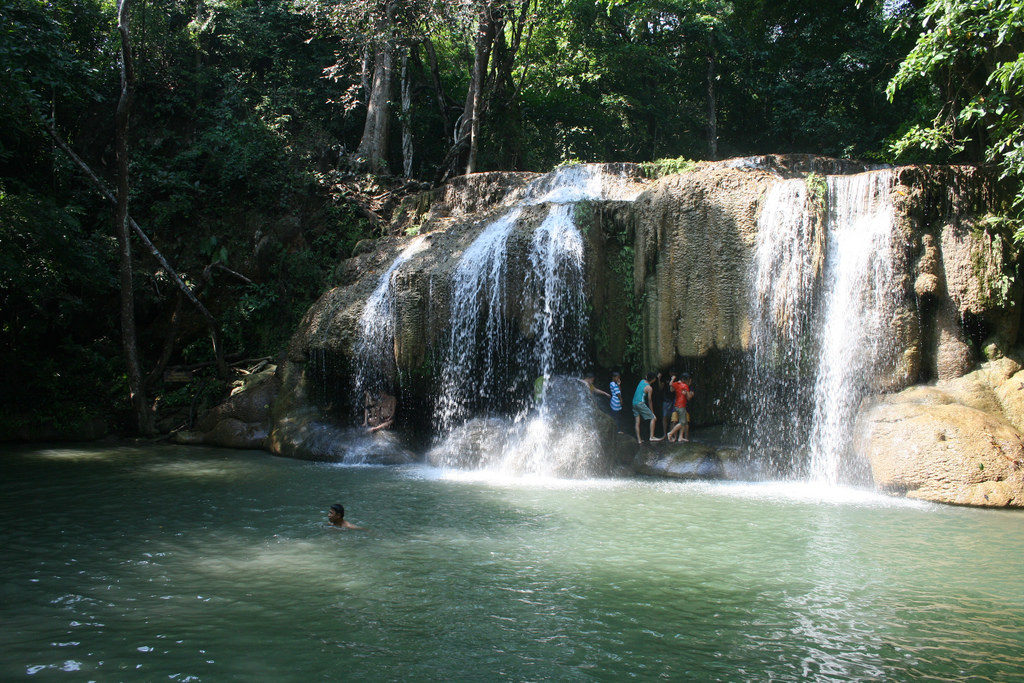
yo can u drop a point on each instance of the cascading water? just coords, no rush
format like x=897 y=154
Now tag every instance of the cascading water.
x=555 y=281
x=858 y=309
x=490 y=357
x=787 y=261
x=823 y=296
x=477 y=311
x=374 y=357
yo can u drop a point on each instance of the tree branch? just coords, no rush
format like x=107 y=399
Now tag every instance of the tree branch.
x=222 y=369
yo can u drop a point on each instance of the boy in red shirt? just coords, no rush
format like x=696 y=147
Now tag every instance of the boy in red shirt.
x=681 y=388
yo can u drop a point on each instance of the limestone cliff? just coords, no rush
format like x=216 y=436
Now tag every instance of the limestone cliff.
x=668 y=282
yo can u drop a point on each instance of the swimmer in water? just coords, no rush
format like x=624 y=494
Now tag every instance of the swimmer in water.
x=336 y=518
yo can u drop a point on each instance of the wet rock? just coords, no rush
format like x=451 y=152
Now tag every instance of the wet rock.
x=233 y=433
x=687 y=460
x=306 y=437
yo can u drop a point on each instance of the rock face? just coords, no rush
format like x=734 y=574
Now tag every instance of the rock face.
x=956 y=442
x=687 y=460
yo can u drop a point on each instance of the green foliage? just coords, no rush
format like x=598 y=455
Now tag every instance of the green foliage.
x=236 y=136
x=663 y=167
x=817 y=189
x=968 y=67
x=993 y=261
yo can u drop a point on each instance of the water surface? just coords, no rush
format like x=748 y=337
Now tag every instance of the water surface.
x=191 y=564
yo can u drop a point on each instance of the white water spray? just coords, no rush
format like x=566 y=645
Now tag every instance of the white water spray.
x=374 y=357
x=858 y=309
x=823 y=302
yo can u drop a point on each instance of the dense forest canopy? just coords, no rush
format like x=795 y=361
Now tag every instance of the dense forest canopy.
x=265 y=138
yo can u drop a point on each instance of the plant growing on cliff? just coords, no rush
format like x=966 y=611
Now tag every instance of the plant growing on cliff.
x=817 y=191
x=663 y=167
x=993 y=262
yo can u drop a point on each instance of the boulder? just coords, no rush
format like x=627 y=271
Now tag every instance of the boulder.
x=924 y=444
x=686 y=460
x=234 y=433
x=243 y=420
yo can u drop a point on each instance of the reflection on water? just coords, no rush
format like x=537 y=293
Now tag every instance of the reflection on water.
x=204 y=564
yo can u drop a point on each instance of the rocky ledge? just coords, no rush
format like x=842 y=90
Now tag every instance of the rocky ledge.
x=958 y=441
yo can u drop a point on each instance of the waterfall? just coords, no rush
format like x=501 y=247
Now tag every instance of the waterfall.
x=476 y=342
x=787 y=259
x=374 y=349
x=822 y=301
x=494 y=357
x=858 y=307
x=556 y=281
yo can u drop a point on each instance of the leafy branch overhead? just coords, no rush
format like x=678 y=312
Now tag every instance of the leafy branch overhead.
x=967 y=66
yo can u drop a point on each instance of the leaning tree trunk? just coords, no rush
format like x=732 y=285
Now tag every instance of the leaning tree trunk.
x=712 y=114
x=136 y=388
x=218 y=349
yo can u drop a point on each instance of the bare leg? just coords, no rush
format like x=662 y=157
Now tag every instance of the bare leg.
x=638 y=439
x=653 y=420
x=674 y=433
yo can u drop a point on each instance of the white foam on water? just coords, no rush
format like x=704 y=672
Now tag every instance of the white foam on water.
x=783 y=491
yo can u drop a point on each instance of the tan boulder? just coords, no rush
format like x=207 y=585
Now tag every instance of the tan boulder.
x=942 y=452
x=1010 y=395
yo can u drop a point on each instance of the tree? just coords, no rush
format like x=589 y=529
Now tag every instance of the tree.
x=136 y=388
x=969 y=59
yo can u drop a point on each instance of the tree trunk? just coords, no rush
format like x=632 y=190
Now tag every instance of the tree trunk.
x=136 y=389
x=364 y=73
x=712 y=115
x=482 y=55
x=373 y=147
x=435 y=74
x=211 y=323
x=372 y=153
x=407 y=150
x=501 y=106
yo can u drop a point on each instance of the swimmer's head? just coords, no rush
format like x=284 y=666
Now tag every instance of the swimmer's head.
x=336 y=513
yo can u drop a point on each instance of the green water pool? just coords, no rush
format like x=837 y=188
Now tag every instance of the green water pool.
x=180 y=563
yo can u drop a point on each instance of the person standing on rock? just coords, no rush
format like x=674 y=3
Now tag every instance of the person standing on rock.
x=663 y=397
x=681 y=388
x=615 y=402
x=643 y=405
